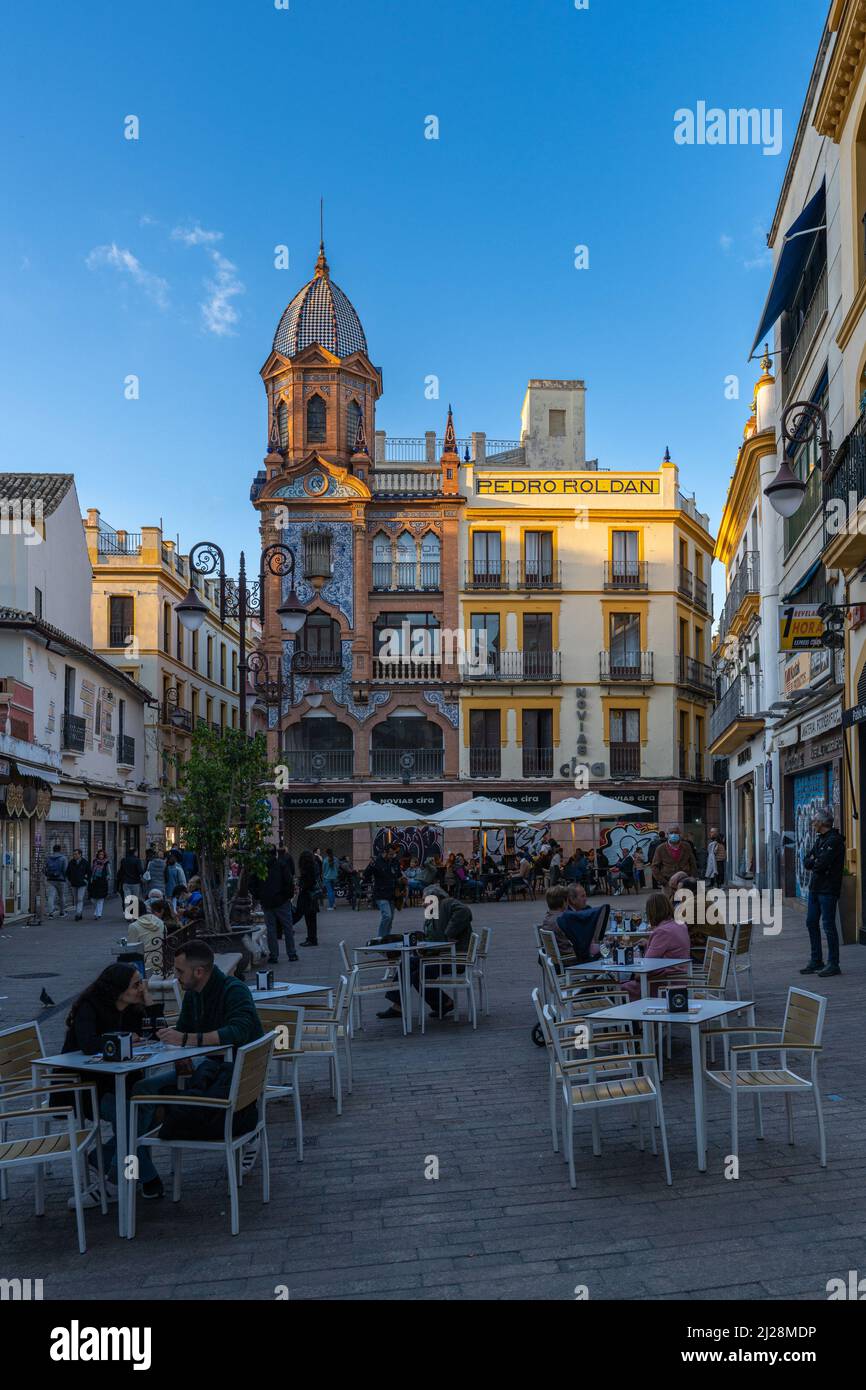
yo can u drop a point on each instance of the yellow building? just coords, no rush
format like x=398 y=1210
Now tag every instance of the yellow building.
x=587 y=596
x=138 y=580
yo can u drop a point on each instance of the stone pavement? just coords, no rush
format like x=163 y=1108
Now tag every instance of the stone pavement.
x=358 y=1219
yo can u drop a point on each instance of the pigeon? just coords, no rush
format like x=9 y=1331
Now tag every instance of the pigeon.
x=45 y=999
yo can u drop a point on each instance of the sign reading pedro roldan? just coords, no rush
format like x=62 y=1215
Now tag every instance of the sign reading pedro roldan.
x=604 y=485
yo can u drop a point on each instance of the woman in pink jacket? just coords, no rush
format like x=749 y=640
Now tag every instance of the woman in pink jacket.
x=668 y=938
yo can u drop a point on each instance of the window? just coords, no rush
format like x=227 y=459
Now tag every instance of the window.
x=537 y=645
x=120 y=620
x=556 y=424
x=222 y=715
x=222 y=663
x=537 y=729
x=624 y=548
x=97 y=718
x=234 y=670
x=625 y=726
x=431 y=554
x=407 y=554
x=484 y=652
x=194 y=706
x=320 y=637
x=699 y=643
x=486 y=556
x=179 y=641
x=69 y=690
x=194 y=638
x=624 y=743
x=398 y=636
x=381 y=561
x=538 y=557
x=353 y=422
x=317 y=555
x=166 y=628
x=208 y=709
x=684 y=637
x=317 y=420
x=121 y=719
x=684 y=742
x=234 y=716
x=37 y=603
x=485 y=743
x=624 y=640
x=210 y=658
x=283 y=424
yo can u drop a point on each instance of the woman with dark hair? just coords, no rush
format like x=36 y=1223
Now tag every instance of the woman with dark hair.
x=116 y=1002
x=307 y=905
x=99 y=882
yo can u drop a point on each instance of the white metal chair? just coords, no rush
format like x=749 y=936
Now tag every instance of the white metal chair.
x=248 y=1087
x=741 y=955
x=486 y=937
x=455 y=975
x=42 y=1148
x=323 y=1030
x=801 y=1031
x=21 y=1046
x=584 y=1090
x=573 y=1035
x=287 y=1022
x=708 y=982
x=374 y=977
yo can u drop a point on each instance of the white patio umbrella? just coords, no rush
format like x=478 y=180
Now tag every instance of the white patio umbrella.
x=367 y=813
x=481 y=814
x=591 y=806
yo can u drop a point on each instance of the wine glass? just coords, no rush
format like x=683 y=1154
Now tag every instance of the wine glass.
x=605 y=948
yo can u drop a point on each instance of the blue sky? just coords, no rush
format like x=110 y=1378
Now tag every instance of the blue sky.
x=155 y=257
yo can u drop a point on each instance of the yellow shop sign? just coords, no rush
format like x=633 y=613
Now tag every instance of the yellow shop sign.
x=604 y=485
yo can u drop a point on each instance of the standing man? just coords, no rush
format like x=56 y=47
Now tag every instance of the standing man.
x=825 y=861
x=674 y=855
x=274 y=892
x=78 y=877
x=55 y=876
x=384 y=873
x=657 y=840
x=129 y=874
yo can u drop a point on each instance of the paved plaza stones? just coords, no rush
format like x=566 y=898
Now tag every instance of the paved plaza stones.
x=359 y=1218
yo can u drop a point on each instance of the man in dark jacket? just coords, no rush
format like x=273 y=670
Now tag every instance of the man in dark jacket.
x=825 y=861
x=445 y=920
x=78 y=877
x=129 y=873
x=384 y=872
x=274 y=892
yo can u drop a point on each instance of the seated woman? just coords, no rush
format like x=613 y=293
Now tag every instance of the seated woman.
x=117 y=1001
x=668 y=938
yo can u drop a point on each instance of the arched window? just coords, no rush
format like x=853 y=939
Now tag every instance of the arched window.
x=431 y=555
x=381 y=561
x=353 y=422
x=283 y=424
x=317 y=420
x=407 y=556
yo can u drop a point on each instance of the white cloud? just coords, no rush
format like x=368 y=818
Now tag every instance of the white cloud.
x=763 y=261
x=120 y=258
x=219 y=314
x=726 y=242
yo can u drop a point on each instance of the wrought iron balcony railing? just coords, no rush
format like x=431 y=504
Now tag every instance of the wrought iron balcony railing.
x=485 y=762
x=399 y=764
x=628 y=575
x=126 y=750
x=538 y=762
x=625 y=760
x=636 y=667
x=74 y=733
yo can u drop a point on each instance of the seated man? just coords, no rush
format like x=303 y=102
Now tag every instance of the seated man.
x=451 y=921
x=578 y=923
x=518 y=882
x=217 y=1009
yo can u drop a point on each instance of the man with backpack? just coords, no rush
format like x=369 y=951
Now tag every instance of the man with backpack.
x=55 y=876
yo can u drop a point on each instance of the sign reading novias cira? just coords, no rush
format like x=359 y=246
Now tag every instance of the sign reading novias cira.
x=599 y=485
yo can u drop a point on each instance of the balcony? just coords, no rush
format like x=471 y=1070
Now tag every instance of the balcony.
x=796 y=355
x=682 y=760
x=694 y=674
x=307 y=765
x=118 y=543
x=542 y=577
x=316 y=565
x=74 y=733
x=730 y=722
x=844 y=491
x=398 y=483
x=625 y=576
x=490 y=580
x=327 y=661
x=399 y=764
x=685 y=582
x=485 y=762
x=538 y=762
x=125 y=751
x=797 y=524
x=407 y=576
x=634 y=668
x=703 y=599
x=179 y=718
x=745 y=585
x=517 y=666
x=625 y=760
x=407 y=670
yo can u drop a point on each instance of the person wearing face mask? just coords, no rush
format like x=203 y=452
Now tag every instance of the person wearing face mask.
x=674 y=855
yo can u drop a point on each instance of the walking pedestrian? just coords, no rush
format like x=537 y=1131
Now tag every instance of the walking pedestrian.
x=129 y=872
x=329 y=877
x=175 y=878
x=78 y=877
x=383 y=872
x=716 y=855
x=307 y=905
x=100 y=882
x=55 y=877
x=825 y=861
x=274 y=892
x=154 y=870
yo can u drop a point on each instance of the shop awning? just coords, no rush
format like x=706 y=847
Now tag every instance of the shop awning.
x=799 y=240
x=804 y=582
x=45 y=774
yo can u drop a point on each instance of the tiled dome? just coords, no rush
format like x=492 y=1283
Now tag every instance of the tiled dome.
x=320 y=313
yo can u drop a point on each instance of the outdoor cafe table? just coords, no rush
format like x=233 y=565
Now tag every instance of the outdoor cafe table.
x=404 y=950
x=651 y=1011
x=151 y=1056
x=284 y=990
x=642 y=968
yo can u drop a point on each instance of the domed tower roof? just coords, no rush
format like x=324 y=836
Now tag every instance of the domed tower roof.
x=320 y=313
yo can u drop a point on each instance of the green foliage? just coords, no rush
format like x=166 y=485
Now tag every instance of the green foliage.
x=220 y=806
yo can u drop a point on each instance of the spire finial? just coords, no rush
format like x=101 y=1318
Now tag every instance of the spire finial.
x=322 y=268
x=360 y=437
x=449 y=444
x=667 y=455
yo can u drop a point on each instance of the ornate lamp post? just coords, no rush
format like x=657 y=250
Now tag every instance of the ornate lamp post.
x=239 y=601
x=802 y=422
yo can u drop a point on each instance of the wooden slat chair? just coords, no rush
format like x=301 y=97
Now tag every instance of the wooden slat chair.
x=286 y=1021
x=708 y=982
x=571 y=1001
x=323 y=1029
x=484 y=943
x=20 y=1047
x=585 y=1091
x=374 y=977
x=43 y=1148
x=622 y=1042
x=248 y=1087
x=456 y=976
x=741 y=955
x=801 y=1031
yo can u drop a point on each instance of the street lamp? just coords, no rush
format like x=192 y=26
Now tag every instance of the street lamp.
x=238 y=601
x=802 y=422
